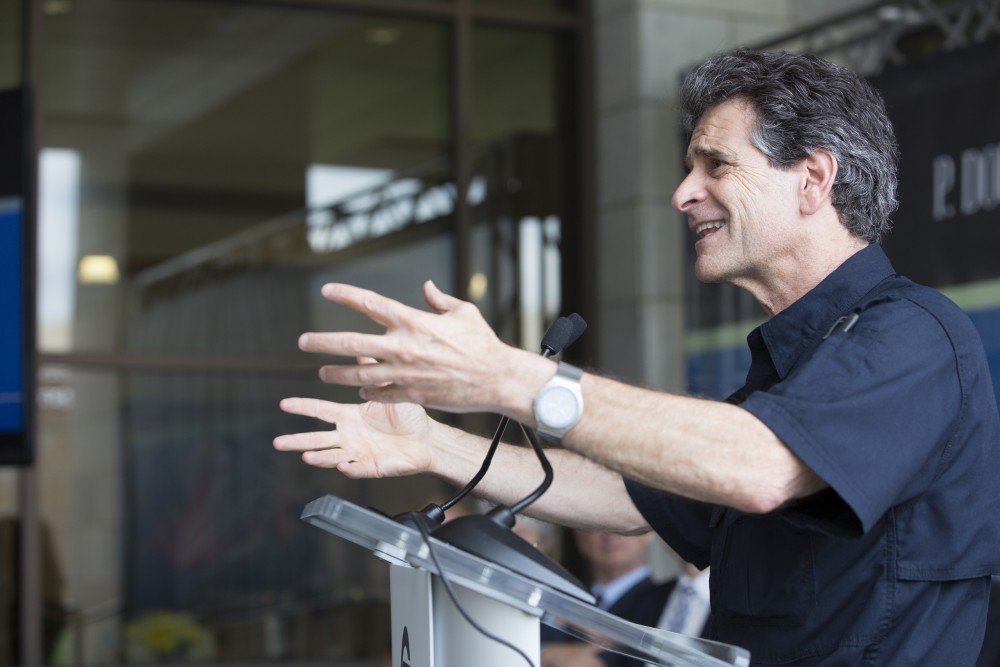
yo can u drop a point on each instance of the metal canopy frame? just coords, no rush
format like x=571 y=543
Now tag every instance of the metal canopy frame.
x=874 y=35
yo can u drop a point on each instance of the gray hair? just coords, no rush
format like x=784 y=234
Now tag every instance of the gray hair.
x=803 y=103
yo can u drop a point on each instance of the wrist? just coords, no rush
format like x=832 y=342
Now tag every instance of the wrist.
x=455 y=454
x=524 y=377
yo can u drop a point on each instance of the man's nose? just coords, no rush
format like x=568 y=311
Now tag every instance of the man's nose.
x=690 y=191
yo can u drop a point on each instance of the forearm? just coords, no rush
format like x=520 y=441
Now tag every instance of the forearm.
x=583 y=494
x=702 y=449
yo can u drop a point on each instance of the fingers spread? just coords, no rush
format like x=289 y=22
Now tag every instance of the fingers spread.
x=383 y=310
x=346 y=344
x=313 y=407
x=304 y=442
x=327 y=458
x=438 y=300
x=357 y=376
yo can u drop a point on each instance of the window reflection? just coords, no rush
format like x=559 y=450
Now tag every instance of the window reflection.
x=229 y=160
x=523 y=163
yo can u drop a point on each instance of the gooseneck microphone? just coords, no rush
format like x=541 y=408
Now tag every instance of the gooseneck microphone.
x=489 y=535
x=560 y=335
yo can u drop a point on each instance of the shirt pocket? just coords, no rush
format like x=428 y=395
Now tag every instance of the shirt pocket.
x=765 y=571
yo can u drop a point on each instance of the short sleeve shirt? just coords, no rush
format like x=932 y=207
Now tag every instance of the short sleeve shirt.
x=881 y=387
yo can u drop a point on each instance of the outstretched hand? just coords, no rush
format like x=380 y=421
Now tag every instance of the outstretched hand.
x=369 y=440
x=449 y=359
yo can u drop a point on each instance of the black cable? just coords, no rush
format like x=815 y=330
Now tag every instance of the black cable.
x=454 y=599
x=501 y=427
x=546 y=466
x=562 y=333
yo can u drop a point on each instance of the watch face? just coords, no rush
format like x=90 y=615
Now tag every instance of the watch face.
x=558 y=407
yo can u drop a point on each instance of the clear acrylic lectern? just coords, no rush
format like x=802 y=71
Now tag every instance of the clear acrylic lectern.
x=429 y=631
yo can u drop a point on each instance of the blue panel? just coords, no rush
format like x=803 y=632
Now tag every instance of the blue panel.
x=11 y=324
x=717 y=373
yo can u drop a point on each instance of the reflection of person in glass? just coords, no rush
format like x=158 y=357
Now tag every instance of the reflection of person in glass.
x=844 y=497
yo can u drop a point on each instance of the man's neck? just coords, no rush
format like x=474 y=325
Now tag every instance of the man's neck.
x=787 y=284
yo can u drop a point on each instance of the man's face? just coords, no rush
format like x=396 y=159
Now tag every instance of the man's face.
x=742 y=210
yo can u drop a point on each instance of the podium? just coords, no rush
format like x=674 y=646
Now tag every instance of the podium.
x=428 y=630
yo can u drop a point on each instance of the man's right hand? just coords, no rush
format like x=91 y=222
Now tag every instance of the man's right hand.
x=368 y=440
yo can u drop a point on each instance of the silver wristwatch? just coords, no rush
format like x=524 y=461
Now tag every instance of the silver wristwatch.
x=559 y=404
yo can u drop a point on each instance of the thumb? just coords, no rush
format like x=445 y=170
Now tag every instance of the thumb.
x=438 y=300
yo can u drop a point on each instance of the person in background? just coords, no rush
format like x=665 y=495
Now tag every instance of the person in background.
x=622 y=583
x=689 y=607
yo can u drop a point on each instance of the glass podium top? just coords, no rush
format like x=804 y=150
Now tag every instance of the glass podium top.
x=404 y=545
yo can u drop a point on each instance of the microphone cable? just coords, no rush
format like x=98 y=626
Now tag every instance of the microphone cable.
x=563 y=332
x=579 y=325
x=560 y=335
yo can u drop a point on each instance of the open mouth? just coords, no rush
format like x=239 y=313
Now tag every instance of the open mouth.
x=706 y=228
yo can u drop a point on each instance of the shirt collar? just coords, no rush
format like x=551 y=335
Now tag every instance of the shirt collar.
x=790 y=333
x=610 y=592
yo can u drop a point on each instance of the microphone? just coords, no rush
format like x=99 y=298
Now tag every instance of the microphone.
x=489 y=535
x=561 y=334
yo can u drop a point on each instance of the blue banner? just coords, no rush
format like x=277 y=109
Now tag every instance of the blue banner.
x=11 y=324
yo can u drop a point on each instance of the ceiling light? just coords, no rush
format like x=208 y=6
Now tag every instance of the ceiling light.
x=477 y=286
x=98 y=269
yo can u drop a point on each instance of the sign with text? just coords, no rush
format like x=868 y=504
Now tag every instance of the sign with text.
x=947 y=228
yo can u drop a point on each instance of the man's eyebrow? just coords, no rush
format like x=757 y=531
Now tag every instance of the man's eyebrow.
x=708 y=152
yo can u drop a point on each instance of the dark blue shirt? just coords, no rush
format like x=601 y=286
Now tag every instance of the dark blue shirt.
x=891 y=564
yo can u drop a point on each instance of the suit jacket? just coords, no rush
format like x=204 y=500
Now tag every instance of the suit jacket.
x=642 y=604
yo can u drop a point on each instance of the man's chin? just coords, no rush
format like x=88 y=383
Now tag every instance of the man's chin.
x=707 y=274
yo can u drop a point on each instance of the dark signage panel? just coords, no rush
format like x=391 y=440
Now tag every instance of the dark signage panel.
x=946 y=112
x=16 y=283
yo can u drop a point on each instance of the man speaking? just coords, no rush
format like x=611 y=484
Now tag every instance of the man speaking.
x=845 y=497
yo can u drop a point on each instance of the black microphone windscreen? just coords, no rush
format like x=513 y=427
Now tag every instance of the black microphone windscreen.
x=558 y=336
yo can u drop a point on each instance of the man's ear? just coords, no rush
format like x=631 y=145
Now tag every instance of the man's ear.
x=819 y=170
